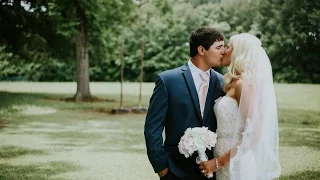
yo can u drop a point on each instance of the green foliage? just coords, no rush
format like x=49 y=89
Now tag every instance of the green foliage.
x=291 y=38
x=40 y=44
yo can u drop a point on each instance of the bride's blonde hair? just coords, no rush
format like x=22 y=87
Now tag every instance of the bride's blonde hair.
x=241 y=44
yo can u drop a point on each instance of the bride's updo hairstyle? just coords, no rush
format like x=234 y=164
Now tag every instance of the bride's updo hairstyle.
x=240 y=67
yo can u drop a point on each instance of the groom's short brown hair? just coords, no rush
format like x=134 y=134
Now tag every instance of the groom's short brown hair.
x=205 y=37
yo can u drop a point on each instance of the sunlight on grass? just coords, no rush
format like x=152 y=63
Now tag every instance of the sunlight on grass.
x=34 y=110
x=298 y=159
x=298 y=96
x=85 y=136
x=130 y=88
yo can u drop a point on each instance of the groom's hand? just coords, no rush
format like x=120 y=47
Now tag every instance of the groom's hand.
x=163 y=172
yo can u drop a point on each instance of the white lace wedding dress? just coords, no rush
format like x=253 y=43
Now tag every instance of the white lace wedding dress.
x=226 y=109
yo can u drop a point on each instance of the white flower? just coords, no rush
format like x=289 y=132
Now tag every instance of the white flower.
x=197 y=139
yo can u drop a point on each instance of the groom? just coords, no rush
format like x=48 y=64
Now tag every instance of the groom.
x=183 y=98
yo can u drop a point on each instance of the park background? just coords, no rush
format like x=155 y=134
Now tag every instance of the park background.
x=60 y=64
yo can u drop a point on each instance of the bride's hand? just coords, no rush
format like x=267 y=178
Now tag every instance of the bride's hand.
x=207 y=167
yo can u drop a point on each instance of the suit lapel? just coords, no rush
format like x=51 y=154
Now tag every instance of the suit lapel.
x=209 y=100
x=192 y=89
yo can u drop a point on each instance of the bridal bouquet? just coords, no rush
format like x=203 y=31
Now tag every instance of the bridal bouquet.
x=197 y=139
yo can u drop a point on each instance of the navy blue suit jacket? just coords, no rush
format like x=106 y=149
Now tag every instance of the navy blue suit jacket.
x=174 y=106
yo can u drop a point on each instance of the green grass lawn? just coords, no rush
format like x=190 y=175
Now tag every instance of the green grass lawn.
x=44 y=137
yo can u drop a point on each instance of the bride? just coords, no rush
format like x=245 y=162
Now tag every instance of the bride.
x=248 y=137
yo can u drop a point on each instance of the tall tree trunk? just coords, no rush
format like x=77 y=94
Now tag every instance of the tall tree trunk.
x=83 y=80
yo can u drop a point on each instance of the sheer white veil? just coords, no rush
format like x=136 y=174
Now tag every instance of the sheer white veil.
x=256 y=138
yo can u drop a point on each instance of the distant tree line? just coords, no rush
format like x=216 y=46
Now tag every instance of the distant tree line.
x=79 y=40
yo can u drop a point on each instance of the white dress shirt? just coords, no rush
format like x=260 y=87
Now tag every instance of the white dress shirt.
x=195 y=71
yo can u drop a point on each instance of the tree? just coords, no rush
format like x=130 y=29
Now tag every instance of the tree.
x=80 y=22
x=91 y=19
x=44 y=38
x=291 y=38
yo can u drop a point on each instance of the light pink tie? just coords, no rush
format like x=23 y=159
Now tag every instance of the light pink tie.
x=203 y=91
